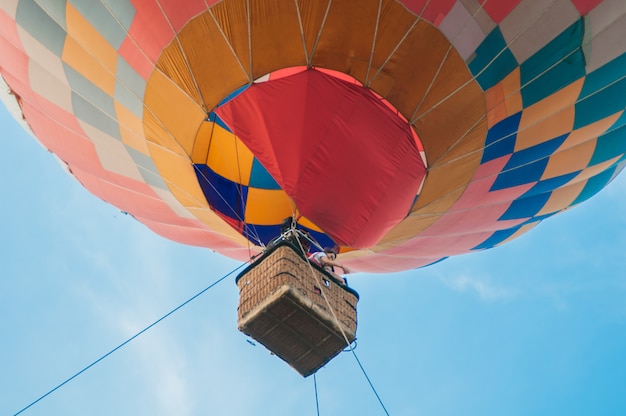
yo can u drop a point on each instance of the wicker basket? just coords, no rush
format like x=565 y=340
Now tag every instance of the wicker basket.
x=297 y=310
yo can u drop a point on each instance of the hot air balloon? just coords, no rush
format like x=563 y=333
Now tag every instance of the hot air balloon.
x=404 y=131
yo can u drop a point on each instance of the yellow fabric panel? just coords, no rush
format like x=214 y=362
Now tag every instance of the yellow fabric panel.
x=445 y=181
x=173 y=65
x=88 y=52
x=596 y=169
x=554 y=106
x=407 y=228
x=267 y=207
x=172 y=118
x=523 y=230
x=131 y=129
x=208 y=217
x=569 y=160
x=276 y=36
x=443 y=126
x=562 y=198
x=305 y=222
x=504 y=99
x=590 y=131
x=200 y=150
x=178 y=173
x=229 y=157
x=218 y=71
x=548 y=128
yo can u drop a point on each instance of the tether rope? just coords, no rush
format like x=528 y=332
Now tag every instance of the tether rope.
x=343 y=333
x=128 y=340
x=317 y=402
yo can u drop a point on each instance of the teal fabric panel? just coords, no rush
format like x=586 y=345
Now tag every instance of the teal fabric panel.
x=603 y=103
x=595 y=184
x=554 y=66
x=260 y=177
x=105 y=23
x=604 y=76
x=609 y=145
x=32 y=18
x=493 y=48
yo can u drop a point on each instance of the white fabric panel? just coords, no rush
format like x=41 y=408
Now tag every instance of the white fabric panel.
x=112 y=153
x=534 y=23
x=9 y=7
x=462 y=30
x=606 y=33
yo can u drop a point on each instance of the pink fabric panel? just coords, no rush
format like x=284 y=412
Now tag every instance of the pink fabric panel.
x=181 y=11
x=324 y=139
x=150 y=29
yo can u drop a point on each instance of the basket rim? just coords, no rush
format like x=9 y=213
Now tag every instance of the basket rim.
x=287 y=244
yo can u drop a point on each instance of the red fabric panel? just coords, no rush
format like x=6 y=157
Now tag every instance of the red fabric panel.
x=181 y=11
x=500 y=9
x=585 y=6
x=149 y=29
x=432 y=11
x=348 y=162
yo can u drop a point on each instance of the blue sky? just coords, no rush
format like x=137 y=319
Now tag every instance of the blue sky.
x=535 y=327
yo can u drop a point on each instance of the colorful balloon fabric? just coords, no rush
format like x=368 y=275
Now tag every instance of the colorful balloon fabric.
x=405 y=131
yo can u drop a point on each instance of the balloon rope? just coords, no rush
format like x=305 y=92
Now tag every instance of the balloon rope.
x=317 y=402
x=343 y=333
x=128 y=340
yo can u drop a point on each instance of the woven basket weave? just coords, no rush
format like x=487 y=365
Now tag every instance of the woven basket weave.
x=298 y=311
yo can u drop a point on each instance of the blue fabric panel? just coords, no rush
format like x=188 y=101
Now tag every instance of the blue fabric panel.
x=609 y=145
x=525 y=207
x=604 y=76
x=217 y=120
x=602 y=104
x=531 y=172
x=260 y=177
x=261 y=233
x=38 y=23
x=496 y=238
x=123 y=10
x=595 y=184
x=554 y=66
x=222 y=195
x=233 y=94
x=538 y=218
x=550 y=185
x=534 y=153
x=501 y=137
x=493 y=48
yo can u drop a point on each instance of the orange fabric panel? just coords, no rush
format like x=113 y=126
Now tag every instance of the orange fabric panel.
x=407 y=229
x=312 y=15
x=178 y=172
x=201 y=145
x=553 y=106
x=562 y=198
x=414 y=66
x=596 y=169
x=446 y=124
x=217 y=224
x=267 y=207
x=173 y=117
x=131 y=129
x=472 y=142
x=231 y=19
x=218 y=71
x=276 y=36
x=551 y=126
x=590 y=131
x=569 y=160
x=354 y=25
x=523 y=230
x=88 y=52
x=504 y=99
x=173 y=64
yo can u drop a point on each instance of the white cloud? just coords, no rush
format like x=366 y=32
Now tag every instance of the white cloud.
x=481 y=286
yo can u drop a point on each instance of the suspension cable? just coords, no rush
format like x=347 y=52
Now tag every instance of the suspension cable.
x=343 y=333
x=132 y=338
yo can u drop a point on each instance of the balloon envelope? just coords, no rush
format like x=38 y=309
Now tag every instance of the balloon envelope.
x=405 y=131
